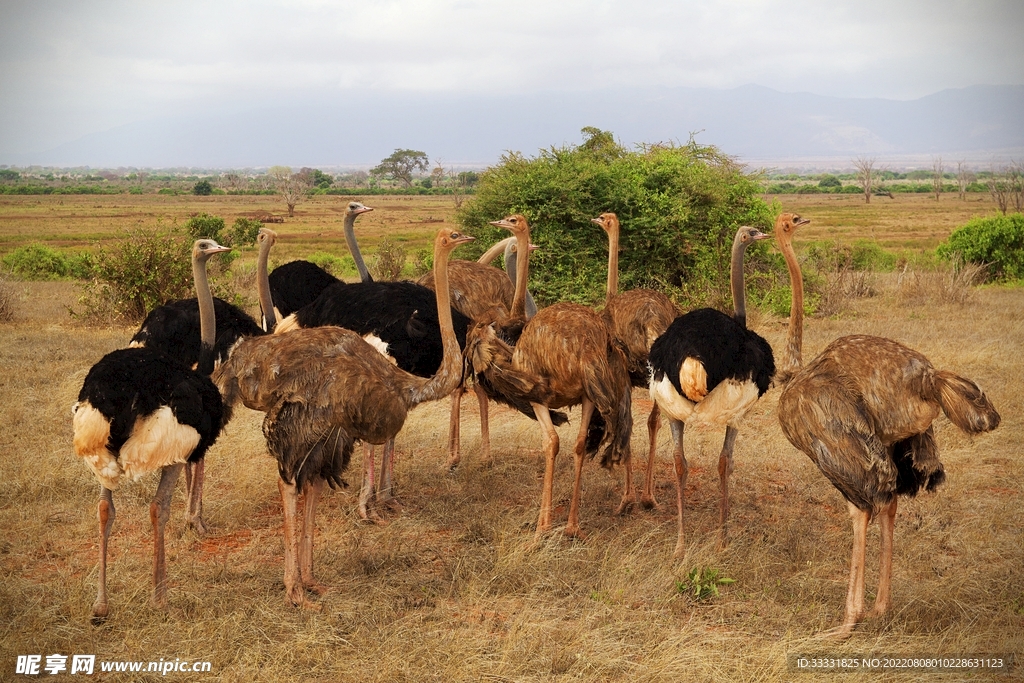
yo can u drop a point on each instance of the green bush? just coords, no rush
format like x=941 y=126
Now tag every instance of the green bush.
x=389 y=261
x=679 y=207
x=202 y=189
x=244 y=231
x=141 y=270
x=204 y=225
x=39 y=262
x=829 y=181
x=996 y=242
x=336 y=266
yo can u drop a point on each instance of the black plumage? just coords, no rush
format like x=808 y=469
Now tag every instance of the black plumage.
x=127 y=385
x=298 y=283
x=174 y=329
x=725 y=348
x=402 y=314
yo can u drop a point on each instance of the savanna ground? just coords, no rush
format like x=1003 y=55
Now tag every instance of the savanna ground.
x=451 y=589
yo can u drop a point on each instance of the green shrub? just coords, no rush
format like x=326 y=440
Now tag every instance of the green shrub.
x=996 y=242
x=336 y=266
x=244 y=231
x=203 y=188
x=141 y=270
x=679 y=207
x=701 y=583
x=39 y=262
x=389 y=261
x=829 y=181
x=204 y=225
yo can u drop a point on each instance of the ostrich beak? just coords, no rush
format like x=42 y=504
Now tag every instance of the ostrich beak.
x=761 y=236
x=597 y=221
x=803 y=221
x=362 y=209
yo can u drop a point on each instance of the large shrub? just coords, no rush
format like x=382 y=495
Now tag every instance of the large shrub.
x=40 y=262
x=204 y=225
x=996 y=242
x=244 y=231
x=141 y=270
x=679 y=207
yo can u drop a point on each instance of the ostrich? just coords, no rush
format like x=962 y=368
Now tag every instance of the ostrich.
x=709 y=366
x=142 y=410
x=322 y=389
x=478 y=291
x=298 y=283
x=636 y=319
x=862 y=411
x=174 y=328
x=563 y=356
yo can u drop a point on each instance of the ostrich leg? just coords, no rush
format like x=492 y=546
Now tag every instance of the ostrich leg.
x=572 y=528
x=293 y=590
x=195 y=475
x=454 y=427
x=369 y=485
x=485 y=425
x=725 y=467
x=550 y=452
x=106 y=513
x=386 y=487
x=855 y=591
x=681 y=470
x=310 y=496
x=647 y=498
x=887 y=523
x=159 y=512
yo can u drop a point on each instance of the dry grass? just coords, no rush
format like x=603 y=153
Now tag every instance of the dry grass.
x=450 y=590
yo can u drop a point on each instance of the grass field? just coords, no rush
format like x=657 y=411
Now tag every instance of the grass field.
x=450 y=589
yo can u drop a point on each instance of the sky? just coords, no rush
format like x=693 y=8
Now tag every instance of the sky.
x=69 y=68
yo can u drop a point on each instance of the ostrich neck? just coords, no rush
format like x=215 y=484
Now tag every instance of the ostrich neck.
x=207 y=317
x=263 y=285
x=448 y=376
x=496 y=248
x=511 y=264
x=739 y=295
x=794 y=344
x=522 y=274
x=612 y=287
x=353 y=247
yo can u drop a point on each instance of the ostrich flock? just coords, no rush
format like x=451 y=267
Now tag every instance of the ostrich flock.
x=335 y=363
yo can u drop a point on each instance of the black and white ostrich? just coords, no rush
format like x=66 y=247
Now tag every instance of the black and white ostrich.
x=174 y=328
x=708 y=366
x=298 y=283
x=141 y=410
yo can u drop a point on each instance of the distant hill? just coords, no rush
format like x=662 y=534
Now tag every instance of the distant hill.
x=754 y=123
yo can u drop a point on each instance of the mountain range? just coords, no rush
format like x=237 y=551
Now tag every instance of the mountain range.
x=982 y=124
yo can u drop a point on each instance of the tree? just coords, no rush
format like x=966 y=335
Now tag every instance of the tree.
x=865 y=175
x=963 y=178
x=203 y=188
x=401 y=165
x=937 y=169
x=291 y=186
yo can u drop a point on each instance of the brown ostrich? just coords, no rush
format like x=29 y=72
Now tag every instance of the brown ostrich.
x=636 y=319
x=478 y=291
x=709 y=367
x=862 y=411
x=563 y=357
x=323 y=389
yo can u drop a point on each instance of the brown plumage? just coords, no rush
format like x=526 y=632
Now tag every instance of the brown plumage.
x=564 y=356
x=636 y=318
x=322 y=389
x=862 y=411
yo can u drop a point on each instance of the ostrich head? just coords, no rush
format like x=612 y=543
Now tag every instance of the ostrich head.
x=448 y=239
x=608 y=221
x=747 y=235
x=786 y=224
x=355 y=208
x=204 y=248
x=266 y=236
x=516 y=223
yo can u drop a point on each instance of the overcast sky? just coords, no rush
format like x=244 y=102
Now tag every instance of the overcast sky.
x=71 y=68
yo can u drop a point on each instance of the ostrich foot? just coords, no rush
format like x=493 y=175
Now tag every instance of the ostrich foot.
x=574 y=531
x=625 y=505
x=391 y=503
x=198 y=525
x=452 y=463
x=296 y=597
x=841 y=632
x=680 y=550
x=649 y=502
x=315 y=587
x=99 y=613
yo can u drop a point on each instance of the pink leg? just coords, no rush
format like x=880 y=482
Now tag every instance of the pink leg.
x=887 y=524
x=369 y=485
x=106 y=513
x=159 y=512
x=855 y=591
x=454 y=426
x=385 y=490
x=725 y=467
x=647 y=498
x=550 y=453
x=485 y=425
x=310 y=496
x=293 y=590
x=681 y=471
x=572 y=528
x=195 y=476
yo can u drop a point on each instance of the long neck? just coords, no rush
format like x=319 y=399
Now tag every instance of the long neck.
x=739 y=295
x=794 y=344
x=522 y=274
x=353 y=246
x=207 y=317
x=496 y=248
x=449 y=374
x=612 y=287
x=511 y=265
x=263 y=286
